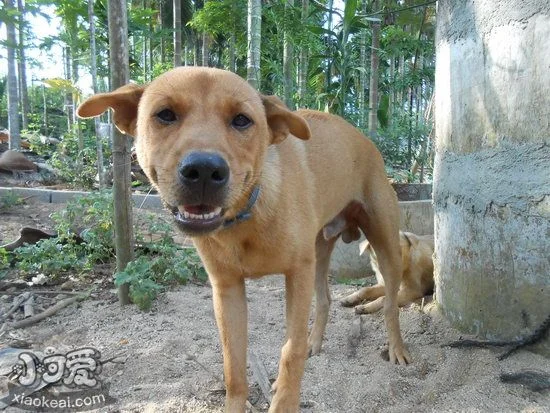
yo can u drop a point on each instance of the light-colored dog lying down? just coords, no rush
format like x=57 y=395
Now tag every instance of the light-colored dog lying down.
x=416 y=253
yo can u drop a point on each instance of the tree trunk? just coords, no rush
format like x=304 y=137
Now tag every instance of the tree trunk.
x=74 y=78
x=93 y=65
x=328 y=73
x=304 y=56
x=205 y=51
x=24 y=95
x=373 y=88
x=254 y=42
x=362 y=74
x=161 y=45
x=196 y=50
x=177 y=33
x=400 y=76
x=392 y=95
x=231 y=59
x=13 y=99
x=119 y=67
x=491 y=198
x=288 y=63
x=68 y=95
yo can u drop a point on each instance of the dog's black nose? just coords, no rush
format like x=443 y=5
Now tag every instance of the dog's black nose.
x=203 y=171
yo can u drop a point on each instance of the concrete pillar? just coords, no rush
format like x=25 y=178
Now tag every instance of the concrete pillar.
x=492 y=171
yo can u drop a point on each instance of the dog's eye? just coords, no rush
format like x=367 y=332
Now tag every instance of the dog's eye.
x=166 y=116
x=241 y=122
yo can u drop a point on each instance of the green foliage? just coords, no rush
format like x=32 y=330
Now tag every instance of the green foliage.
x=4 y=262
x=85 y=237
x=147 y=275
x=400 y=141
x=77 y=167
x=51 y=257
x=9 y=200
x=159 y=262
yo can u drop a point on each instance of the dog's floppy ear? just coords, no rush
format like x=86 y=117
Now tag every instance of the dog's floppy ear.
x=282 y=121
x=124 y=101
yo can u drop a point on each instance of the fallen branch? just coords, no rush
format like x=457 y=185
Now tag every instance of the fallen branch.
x=17 y=302
x=28 y=307
x=48 y=312
x=260 y=374
x=217 y=378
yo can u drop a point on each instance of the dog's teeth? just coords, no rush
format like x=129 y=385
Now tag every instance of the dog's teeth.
x=185 y=214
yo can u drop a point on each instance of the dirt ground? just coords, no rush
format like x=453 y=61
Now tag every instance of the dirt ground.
x=169 y=359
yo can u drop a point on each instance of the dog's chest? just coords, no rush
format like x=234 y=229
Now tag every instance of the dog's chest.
x=248 y=257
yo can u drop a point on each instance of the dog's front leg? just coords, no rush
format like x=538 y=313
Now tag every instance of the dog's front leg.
x=299 y=293
x=231 y=316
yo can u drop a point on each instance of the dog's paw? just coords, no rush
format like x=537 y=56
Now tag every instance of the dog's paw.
x=365 y=309
x=350 y=301
x=314 y=347
x=399 y=355
x=285 y=402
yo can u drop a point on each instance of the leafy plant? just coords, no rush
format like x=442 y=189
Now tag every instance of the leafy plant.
x=50 y=257
x=148 y=275
x=9 y=200
x=85 y=236
x=4 y=262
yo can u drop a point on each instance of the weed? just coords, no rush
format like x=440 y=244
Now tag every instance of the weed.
x=4 y=262
x=350 y=281
x=85 y=237
x=9 y=200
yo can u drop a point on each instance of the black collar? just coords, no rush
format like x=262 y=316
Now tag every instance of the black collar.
x=246 y=213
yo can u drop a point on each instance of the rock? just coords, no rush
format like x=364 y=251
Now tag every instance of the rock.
x=16 y=161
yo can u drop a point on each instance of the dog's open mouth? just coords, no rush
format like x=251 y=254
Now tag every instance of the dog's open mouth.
x=196 y=219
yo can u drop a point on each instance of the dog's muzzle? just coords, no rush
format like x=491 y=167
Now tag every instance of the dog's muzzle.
x=203 y=178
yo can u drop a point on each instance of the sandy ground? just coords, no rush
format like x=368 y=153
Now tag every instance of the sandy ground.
x=169 y=358
x=172 y=355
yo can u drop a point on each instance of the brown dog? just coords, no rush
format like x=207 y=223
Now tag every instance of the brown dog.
x=255 y=202
x=416 y=254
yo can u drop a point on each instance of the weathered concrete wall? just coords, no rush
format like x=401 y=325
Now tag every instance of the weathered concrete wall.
x=492 y=170
x=416 y=216
x=59 y=197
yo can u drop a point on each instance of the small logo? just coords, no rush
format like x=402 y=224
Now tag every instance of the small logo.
x=56 y=382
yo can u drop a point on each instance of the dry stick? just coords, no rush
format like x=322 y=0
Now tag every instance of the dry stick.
x=215 y=376
x=260 y=373
x=17 y=301
x=28 y=307
x=46 y=313
x=39 y=292
x=539 y=333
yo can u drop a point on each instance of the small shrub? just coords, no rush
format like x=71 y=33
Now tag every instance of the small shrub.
x=4 y=262
x=77 y=167
x=9 y=200
x=50 y=256
x=85 y=237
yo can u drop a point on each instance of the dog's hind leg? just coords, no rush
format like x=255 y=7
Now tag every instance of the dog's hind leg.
x=379 y=221
x=323 y=251
x=404 y=297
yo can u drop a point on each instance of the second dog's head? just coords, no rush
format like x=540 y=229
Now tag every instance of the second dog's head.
x=201 y=138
